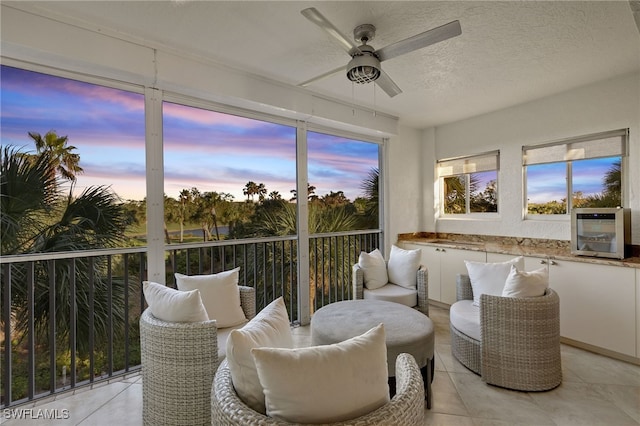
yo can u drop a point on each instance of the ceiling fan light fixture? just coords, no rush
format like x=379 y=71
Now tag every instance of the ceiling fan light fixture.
x=363 y=69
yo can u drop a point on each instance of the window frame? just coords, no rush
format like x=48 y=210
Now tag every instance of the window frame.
x=567 y=154
x=466 y=166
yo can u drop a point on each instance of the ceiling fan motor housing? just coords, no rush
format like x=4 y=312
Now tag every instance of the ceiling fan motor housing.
x=364 y=68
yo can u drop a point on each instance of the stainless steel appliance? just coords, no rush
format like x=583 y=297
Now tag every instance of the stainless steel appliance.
x=601 y=232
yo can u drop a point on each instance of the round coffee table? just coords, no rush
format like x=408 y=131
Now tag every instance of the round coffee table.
x=407 y=331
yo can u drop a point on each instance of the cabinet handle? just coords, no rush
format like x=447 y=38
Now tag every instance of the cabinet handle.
x=543 y=262
x=443 y=250
x=553 y=262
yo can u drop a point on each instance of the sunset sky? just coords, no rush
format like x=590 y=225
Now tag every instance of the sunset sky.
x=207 y=150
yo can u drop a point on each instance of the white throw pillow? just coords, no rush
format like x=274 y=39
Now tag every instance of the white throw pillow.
x=220 y=295
x=172 y=305
x=526 y=284
x=270 y=328
x=325 y=384
x=489 y=278
x=374 y=269
x=403 y=267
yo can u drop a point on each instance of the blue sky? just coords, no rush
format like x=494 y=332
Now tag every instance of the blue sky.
x=207 y=150
x=547 y=182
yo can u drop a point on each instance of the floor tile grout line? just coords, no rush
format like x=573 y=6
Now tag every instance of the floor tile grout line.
x=107 y=401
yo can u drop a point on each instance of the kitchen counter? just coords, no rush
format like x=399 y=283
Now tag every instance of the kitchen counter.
x=516 y=246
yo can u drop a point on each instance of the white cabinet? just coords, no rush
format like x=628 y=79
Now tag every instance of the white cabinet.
x=530 y=263
x=443 y=264
x=597 y=304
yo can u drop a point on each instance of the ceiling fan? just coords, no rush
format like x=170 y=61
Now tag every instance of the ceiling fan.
x=364 y=66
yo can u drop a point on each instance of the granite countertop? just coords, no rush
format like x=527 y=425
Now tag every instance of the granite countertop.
x=516 y=246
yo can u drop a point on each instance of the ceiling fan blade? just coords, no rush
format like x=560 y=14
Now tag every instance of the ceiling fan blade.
x=321 y=76
x=317 y=18
x=418 y=41
x=388 y=85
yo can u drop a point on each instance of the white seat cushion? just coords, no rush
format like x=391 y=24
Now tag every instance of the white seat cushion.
x=223 y=336
x=270 y=328
x=325 y=384
x=526 y=284
x=220 y=295
x=374 y=269
x=403 y=267
x=489 y=278
x=393 y=293
x=172 y=305
x=465 y=317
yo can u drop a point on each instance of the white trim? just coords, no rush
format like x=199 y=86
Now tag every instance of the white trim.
x=155 y=185
x=302 y=205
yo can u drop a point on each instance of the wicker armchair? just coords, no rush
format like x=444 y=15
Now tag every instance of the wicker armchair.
x=179 y=361
x=422 y=288
x=406 y=408
x=520 y=340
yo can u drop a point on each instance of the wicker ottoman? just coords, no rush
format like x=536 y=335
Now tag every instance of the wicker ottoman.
x=407 y=331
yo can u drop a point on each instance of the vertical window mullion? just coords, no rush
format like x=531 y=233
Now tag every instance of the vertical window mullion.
x=569 y=187
x=467 y=193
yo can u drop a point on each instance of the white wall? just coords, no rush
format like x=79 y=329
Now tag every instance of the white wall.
x=404 y=170
x=607 y=105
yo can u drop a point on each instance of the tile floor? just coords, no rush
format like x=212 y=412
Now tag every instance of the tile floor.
x=596 y=390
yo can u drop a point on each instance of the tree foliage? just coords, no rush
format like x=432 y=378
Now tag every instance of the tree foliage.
x=40 y=216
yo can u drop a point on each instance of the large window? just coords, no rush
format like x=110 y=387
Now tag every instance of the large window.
x=343 y=183
x=579 y=172
x=226 y=176
x=469 y=185
x=92 y=140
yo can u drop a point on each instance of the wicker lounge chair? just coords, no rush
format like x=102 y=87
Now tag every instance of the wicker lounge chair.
x=519 y=346
x=179 y=361
x=406 y=408
x=422 y=289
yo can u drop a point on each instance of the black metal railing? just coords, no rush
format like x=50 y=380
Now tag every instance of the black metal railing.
x=68 y=319
x=72 y=319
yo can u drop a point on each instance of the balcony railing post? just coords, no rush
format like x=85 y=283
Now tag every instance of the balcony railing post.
x=6 y=320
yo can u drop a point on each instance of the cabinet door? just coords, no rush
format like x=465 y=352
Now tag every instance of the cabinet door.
x=430 y=259
x=530 y=263
x=597 y=304
x=452 y=264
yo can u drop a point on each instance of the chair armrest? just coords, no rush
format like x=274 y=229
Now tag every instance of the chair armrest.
x=464 y=290
x=422 y=281
x=179 y=361
x=519 y=332
x=505 y=320
x=248 y=301
x=405 y=408
x=358 y=282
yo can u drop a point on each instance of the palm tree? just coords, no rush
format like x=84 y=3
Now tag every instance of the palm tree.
x=310 y=193
x=454 y=194
x=37 y=217
x=185 y=198
x=63 y=161
x=250 y=189
x=370 y=187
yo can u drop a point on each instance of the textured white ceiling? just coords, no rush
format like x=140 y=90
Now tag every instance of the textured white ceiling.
x=508 y=53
